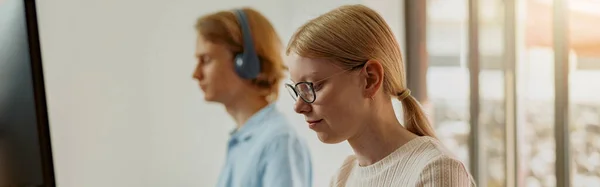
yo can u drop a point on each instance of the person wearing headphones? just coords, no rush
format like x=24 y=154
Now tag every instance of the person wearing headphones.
x=240 y=66
x=346 y=67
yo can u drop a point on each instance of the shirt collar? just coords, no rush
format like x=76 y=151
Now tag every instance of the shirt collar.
x=254 y=122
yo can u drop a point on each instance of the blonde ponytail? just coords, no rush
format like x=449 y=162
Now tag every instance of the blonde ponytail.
x=415 y=119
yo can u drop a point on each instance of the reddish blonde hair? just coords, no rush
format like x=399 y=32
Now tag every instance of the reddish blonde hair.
x=223 y=28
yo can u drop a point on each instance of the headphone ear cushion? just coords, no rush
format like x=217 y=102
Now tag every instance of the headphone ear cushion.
x=238 y=62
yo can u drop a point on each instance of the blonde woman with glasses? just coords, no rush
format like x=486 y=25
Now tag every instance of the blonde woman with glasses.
x=346 y=67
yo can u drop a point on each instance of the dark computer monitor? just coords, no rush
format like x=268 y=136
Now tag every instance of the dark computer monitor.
x=25 y=149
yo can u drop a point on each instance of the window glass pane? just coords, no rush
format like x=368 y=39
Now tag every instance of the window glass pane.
x=584 y=95
x=492 y=94
x=535 y=94
x=448 y=74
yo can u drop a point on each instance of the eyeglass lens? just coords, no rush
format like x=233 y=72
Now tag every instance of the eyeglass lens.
x=303 y=90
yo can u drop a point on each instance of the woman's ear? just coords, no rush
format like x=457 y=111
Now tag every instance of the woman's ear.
x=373 y=72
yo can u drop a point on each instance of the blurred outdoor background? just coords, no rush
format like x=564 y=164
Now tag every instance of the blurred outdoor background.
x=517 y=87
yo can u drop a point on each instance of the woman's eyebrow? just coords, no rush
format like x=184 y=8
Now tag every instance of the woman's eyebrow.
x=306 y=76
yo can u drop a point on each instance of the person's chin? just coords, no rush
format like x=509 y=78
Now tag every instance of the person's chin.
x=209 y=98
x=328 y=138
x=214 y=100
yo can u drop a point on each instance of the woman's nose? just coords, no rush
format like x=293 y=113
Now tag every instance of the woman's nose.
x=302 y=107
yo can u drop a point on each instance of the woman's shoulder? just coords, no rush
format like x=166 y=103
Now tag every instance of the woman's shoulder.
x=430 y=148
x=440 y=167
x=445 y=171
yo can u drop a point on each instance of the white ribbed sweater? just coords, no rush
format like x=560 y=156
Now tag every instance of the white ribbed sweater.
x=422 y=162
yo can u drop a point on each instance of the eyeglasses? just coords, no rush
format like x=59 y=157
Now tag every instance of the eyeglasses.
x=306 y=91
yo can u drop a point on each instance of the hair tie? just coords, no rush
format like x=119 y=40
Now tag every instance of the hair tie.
x=403 y=95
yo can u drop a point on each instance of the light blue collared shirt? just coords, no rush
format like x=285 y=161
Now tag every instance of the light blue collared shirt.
x=266 y=152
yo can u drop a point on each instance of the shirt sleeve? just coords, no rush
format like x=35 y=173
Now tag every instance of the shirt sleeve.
x=286 y=163
x=445 y=171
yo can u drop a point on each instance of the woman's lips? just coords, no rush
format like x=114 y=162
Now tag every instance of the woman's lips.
x=313 y=123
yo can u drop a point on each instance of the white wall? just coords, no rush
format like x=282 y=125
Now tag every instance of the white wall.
x=124 y=110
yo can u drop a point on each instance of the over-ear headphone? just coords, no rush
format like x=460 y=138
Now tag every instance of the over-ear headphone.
x=247 y=64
